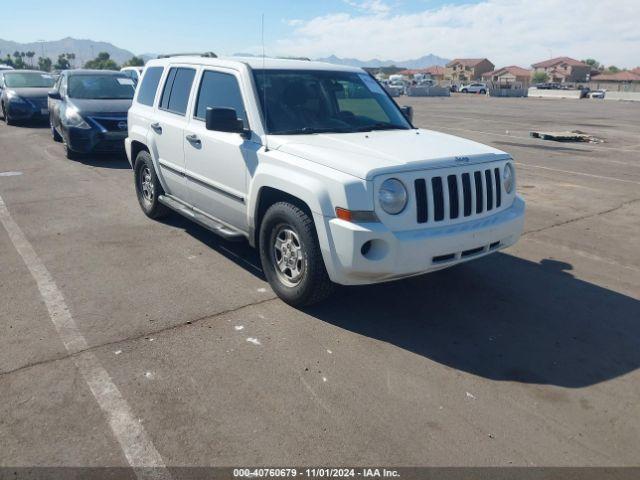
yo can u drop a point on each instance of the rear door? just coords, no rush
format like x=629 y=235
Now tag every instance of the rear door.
x=217 y=162
x=167 y=128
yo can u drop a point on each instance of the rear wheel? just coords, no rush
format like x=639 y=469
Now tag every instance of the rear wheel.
x=482 y=92
x=464 y=90
x=148 y=187
x=291 y=257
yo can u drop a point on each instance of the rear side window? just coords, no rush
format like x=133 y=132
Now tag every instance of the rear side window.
x=149 y=85
x=175 y=95
x=219 y=90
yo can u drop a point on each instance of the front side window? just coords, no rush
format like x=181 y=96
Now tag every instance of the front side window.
x=28 y=80
x=149 y=85
x=177 y=88
x=219 y=90
x=306 y=101
x=100 y=87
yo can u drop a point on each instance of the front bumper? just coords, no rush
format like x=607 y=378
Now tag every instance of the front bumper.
x=26 y=111
x=91 y=140
x=395 y=255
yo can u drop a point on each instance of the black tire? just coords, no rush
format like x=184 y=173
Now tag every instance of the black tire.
x=54 y=133
x=148 y=187
x=7 y=120
x=313 y=284
x=482 y=92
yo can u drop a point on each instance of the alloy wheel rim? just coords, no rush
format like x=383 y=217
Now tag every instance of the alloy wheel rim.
x=146 y=185
x=288 y=256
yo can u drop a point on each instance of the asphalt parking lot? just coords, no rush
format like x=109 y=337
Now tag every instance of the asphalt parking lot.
x=527 y=357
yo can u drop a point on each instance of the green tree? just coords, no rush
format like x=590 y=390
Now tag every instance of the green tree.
x=593 y=63
x=71 y=57
x=44 y=64
x=18 y=60
x=62 y=63
x=8 y=61
x=30 y=56
x=134 y=62
x=102 y=62
x=613 y=69
x=540 y=77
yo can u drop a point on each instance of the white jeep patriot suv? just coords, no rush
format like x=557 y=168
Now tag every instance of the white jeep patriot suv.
x=315 y=165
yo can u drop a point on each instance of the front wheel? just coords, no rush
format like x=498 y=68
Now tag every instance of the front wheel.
x=483 y=92
x=291 y=256
x=464 y=90
x=7 y=120
x=54 y=133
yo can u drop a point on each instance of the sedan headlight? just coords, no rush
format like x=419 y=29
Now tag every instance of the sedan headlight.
x=393 y=196
x=70 y=117
x=508 y=178
x=14 y=97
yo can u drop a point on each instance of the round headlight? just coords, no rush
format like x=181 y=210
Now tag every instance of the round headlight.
x=508 y=178
x=393 y=196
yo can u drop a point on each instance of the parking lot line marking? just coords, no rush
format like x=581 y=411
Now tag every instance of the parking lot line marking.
x=603 y=177
x=136 y=446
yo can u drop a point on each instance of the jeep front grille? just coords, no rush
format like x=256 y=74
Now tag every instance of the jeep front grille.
x=460 y=195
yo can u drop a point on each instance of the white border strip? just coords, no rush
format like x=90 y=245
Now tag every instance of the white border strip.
x=136 y=446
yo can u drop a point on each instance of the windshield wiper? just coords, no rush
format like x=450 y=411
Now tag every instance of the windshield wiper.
x=311 y=130
x=380 y=126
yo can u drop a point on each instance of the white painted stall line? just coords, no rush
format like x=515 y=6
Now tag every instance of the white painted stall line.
x=136 y=446
x=601 y=177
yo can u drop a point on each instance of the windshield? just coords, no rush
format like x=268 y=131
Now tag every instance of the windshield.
x=101 y=87
x=301 y=102
x=28 y=79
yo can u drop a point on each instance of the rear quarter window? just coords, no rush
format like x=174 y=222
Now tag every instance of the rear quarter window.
x=149 y=85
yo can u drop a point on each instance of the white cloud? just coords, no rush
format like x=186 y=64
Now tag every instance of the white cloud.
x=506 y=31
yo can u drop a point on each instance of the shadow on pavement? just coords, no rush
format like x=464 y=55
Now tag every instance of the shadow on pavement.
x=105 y=160
x=501 y=318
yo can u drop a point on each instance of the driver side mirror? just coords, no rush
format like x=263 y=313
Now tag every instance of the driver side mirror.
x=224 y=120
x=55 y=95
x=407 y=111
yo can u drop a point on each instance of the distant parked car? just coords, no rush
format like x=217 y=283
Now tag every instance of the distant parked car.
x=480 y=88
x=598 y=94
x=133 y=72
x=548 y=86
x=5 y=67
x=88 y=111
x=24 y=95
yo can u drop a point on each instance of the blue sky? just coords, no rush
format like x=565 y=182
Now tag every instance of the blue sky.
x=507 y=31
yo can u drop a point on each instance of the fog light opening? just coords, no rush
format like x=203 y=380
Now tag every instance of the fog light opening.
x=374 y=249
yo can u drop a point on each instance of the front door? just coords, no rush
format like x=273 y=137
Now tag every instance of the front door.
x=217 y=162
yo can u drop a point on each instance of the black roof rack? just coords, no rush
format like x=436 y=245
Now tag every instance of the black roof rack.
x=306 y=59
x=199 y=54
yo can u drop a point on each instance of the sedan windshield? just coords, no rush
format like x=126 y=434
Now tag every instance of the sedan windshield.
x=101 y=87
x=306 y=101
x=28 y=80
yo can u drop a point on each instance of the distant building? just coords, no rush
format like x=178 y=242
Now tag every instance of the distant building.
x=563 y=70
x=509 y=76
x=636 y=71
x=463 y=70
x=626 y=81
x=436 y=72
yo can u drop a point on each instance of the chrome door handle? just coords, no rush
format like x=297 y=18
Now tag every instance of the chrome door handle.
x=193 y=139
x=156 y=127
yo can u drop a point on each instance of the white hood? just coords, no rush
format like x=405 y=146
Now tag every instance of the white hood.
x=368 y=154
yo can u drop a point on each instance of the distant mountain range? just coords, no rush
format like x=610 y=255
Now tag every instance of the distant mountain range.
x=84 y=49
x=422 y=62
x=88 y=49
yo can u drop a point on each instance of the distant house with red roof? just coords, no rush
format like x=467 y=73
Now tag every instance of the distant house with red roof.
x=436 y=72
x=636 y=70
x=563 y=70
x=508 y=76
x=625 y=81
x=463 y=70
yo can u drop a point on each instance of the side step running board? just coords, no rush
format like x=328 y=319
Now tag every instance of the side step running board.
x=204 y=220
